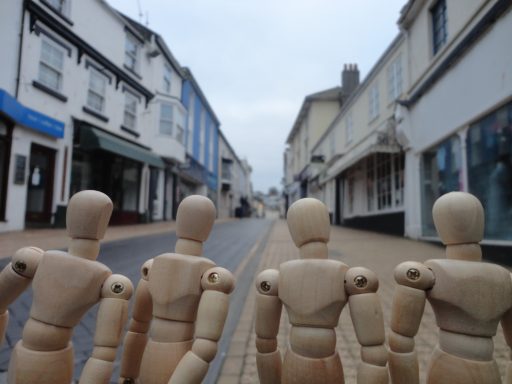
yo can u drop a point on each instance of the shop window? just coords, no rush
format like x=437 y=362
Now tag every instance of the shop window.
x=131 y=52
x=167 y=78
x=384 y=180
x=489 y=154
x=97 y=90
x=351 y=179
x=398 y=182
x=51 y=65
x=440 y=174
x=370 y=183
x=166 y=122
x=130 y=111
x=439 y=25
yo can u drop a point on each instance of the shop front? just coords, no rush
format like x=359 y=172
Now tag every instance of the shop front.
x=114 y=166
x=29 y=146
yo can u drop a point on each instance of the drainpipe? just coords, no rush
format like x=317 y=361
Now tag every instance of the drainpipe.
x=16 y=91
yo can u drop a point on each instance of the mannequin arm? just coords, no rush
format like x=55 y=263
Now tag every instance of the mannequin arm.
x=506 y=324
x=136 y=338
x=15 y=278
x=407 y=311
x=361 y=285
x=111 y=319
x=217 y=284
x=268 y=316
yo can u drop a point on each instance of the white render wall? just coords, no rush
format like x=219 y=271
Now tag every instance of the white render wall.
x=459 y=98
x=10 y=41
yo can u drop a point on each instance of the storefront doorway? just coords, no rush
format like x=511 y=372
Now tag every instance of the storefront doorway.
x=40 y=186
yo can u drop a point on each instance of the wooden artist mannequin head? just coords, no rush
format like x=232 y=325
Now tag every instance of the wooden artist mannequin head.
x=308 y=222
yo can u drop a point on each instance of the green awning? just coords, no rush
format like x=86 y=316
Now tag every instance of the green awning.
x=92 y=138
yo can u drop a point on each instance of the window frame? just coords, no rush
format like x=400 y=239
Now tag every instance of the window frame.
x=167 y=79
x=133 y=56
x=395 y=79
x=439 y=24
x=50 y=66
x=374 y=102
x=135 y=99
x=166 y=120
x=349 y=128
x=94 y=72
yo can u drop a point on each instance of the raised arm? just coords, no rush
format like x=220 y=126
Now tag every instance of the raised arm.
x=15 y=278
x=268 y=316
x=111 y=319
x=413 y=280
x=137 y=336
x=361 y=285
x=217 y=284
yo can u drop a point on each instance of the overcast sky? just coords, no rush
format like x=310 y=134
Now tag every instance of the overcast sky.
x=256 y=60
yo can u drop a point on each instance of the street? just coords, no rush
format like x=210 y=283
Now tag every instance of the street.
x=227 y=245
x=246 y=247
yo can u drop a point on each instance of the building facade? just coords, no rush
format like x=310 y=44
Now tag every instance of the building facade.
x=457 y=116
x=433 y=115
x=314 y=117
x=81 y=111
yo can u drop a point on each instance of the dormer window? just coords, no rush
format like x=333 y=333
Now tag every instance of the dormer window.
x=131 y=52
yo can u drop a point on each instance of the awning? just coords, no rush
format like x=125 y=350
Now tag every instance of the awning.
x=372 y=144
x=93 y=138
x=28 y=117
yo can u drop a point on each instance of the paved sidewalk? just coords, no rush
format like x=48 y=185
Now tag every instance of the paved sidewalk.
x=381 y=253
x=51 y=238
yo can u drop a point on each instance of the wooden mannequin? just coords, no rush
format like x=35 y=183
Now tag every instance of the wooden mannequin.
x=182 y=300
x=469 y=298
x=314 y=291
x=65 y=286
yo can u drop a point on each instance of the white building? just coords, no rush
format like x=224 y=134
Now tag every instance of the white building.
x=86 y=107
x=234 y=186
x=361 y=179
x=457 y=117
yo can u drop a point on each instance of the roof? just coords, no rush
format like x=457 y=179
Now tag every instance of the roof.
x=331 y=94
x=160 y=42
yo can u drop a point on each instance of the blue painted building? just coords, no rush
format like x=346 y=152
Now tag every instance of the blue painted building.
x=200 y=173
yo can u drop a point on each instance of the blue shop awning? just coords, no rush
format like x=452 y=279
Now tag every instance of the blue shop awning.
x=29 y=118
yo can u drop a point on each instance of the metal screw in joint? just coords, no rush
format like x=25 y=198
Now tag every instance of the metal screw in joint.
x=413 y=274
x=265 y=286
x=20 y=266
x=213 y=277
x=360 y=281
x=117 y=287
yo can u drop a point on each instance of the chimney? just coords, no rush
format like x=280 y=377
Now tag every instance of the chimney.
x=349 y=79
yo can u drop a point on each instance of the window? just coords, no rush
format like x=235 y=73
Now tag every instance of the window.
x=131 y=52
x=398 y=174
x=374 y=102
x=202 y=134
x=210 y=152
x=190 y=131
x=489 y=154
x=384 y=180
x=61 y=6
x=180 y=123
x=166 y=122
x=51 y=65
x=349 y=129
x=350 y=190
x=440 y=174
x=97 y=89
x=395 y=79
x=167 y=78
x=130 y=110
x=370 y=183
x=439 y=30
